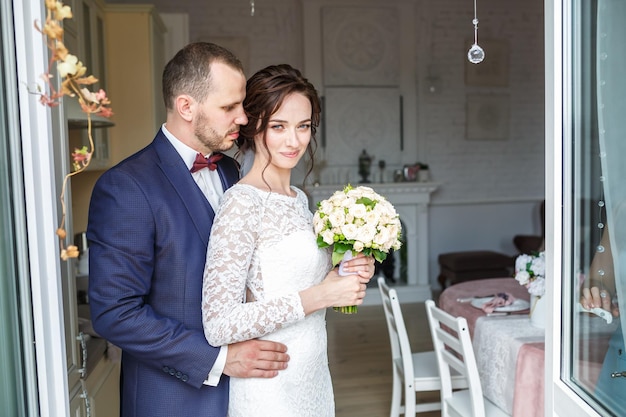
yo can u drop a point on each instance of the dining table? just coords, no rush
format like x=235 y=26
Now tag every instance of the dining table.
x=509 y=349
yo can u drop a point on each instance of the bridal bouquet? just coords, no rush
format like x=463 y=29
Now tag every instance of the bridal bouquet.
x=357 y=220
x=530 y=271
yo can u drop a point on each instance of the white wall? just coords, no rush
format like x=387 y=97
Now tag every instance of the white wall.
x=489 y=226
x=490 y=189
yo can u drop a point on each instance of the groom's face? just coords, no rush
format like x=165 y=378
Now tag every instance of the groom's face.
x=217 y=119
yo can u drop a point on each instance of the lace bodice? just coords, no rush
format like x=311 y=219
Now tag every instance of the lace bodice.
x=262 y=249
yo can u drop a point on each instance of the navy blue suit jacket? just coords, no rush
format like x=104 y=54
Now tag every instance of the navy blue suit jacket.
x=148 y=231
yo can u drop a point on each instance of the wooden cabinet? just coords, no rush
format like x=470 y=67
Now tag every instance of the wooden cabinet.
x=77 y=405
x=133 y=64
x=103 y=390
x=135 y=61
x=123 y=46
x=98 y=395
x=96 y=392
x=85 y=38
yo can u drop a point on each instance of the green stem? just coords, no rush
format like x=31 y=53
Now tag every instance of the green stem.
x=346 y=310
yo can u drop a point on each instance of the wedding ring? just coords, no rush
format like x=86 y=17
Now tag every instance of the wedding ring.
x=603 y=294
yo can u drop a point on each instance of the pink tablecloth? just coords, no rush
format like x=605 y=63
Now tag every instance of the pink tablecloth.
x=477 y=288
x=527 y=399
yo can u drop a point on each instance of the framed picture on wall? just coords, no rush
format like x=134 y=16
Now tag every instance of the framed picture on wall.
x=493 y=71
x=487 y=117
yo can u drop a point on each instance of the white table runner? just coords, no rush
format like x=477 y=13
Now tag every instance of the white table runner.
x=496 y=342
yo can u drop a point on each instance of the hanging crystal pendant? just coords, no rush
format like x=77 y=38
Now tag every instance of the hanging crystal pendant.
x=476 y=54
x=251 y=7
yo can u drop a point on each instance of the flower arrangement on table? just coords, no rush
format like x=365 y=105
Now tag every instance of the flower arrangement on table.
x=357 y=220
x=73 y=81
x=530 y=271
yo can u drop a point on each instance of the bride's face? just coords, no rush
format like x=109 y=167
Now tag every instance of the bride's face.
x=288 y=133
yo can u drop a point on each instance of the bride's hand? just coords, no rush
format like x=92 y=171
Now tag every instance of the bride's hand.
x=594 y=297
x=362 y=265
x=334 y=291
x=341 y=291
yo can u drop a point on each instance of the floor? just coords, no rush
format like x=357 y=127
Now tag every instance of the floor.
x=360 y=358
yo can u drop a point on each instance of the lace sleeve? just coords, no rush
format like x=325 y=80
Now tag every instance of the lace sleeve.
x=226 y=317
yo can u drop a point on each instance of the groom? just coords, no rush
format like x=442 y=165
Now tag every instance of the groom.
x=149 y=223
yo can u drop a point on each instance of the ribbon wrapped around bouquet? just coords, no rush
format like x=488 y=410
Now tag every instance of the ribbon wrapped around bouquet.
x=357 y=220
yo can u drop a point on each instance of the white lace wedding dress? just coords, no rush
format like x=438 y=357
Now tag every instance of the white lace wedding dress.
x=262 y=252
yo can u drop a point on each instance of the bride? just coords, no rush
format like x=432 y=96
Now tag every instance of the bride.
x=264 y=274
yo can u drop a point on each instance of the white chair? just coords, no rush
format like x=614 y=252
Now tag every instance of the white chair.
x=454 y=351
x=412 y=372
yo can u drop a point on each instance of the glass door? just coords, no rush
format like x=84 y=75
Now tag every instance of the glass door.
x=587 y=140
x=18 y=395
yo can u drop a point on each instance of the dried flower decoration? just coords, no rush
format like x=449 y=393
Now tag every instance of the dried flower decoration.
x=73 y=81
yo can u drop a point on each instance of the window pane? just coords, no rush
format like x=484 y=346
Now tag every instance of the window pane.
x=12 y=394
x=597 y=355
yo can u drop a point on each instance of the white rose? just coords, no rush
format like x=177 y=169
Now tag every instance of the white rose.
x=338 y=195
x=366 y=191
x=351 y=193
x=366 y=234
x=326 y=207
x=318 y=222
x=521 y=262
x=383 y=239
x=538 y=266
x=358 y=210
x=372 y=217
x=337 y=218
x=394 y=228
x=336 y=230
x=384 y=206
x=386 y=217
x=328 y=237
x=350 y=231
x=358 y=246
x=537 y=287
x=356 y=193
x=522 y=277
x=346 y=201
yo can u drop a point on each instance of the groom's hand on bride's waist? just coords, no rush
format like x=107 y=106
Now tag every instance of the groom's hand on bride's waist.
x=256 y=359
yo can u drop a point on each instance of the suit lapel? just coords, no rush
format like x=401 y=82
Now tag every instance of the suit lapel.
x=199 y=209
x=228 y=171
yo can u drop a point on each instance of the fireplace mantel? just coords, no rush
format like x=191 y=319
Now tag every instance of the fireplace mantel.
x=411 y=200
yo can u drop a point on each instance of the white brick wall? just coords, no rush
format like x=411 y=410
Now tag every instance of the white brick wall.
x=475 y=170
x=483 y=170
x=489 y=188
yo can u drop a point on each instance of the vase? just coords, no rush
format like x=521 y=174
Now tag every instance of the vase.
x=538 y=311
x=347 y=309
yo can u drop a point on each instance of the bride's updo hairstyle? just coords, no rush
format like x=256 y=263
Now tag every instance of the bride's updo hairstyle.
x=265 y=92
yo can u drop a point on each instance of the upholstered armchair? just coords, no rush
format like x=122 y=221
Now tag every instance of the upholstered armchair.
x=533 y=243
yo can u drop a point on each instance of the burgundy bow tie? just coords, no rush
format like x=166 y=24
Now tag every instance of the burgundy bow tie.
x=202 y=162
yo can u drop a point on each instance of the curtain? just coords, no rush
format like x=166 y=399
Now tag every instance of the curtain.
x=611 y=105
x=611 y=88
